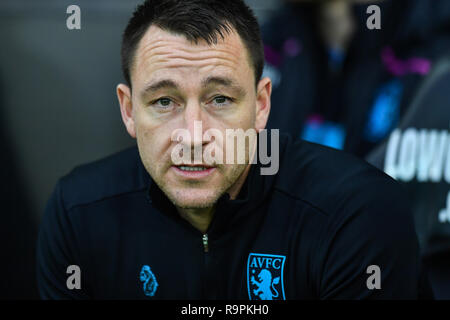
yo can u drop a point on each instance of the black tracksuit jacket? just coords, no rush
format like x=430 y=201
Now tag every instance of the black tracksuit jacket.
x=311 y=231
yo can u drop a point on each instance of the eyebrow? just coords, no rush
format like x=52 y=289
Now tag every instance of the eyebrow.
x=213 y=80
x=217 y=80
x=223 y=81
x=162 y=84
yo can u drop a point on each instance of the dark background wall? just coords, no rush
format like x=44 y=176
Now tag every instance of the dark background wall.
x=58 y=109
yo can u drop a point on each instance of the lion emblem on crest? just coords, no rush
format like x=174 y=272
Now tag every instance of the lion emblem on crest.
x=265 y=289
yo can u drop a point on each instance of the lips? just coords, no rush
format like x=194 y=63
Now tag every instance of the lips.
x=188 y=168
x=193 y=171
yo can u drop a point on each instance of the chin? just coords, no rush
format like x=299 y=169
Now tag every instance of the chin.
x=193 y=199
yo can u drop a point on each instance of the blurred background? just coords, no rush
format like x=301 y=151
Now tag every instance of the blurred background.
x=337 y=82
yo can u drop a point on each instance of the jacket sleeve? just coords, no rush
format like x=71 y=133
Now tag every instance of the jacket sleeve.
x=57 y=249
x=371 y=251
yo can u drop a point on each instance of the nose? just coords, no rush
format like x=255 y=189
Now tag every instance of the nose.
x=194 y=123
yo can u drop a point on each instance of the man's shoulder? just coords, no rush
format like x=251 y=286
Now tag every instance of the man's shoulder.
x=329 y=179
x=117 y=174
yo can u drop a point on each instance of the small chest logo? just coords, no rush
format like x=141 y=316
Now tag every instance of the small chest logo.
x=265 y=276
x=148 y=278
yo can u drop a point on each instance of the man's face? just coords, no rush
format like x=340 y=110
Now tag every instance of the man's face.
x=176 y=82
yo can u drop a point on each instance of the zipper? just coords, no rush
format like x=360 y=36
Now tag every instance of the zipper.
x=205 y=243
x=208 y=289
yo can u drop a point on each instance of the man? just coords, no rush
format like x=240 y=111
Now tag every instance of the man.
x=143 y=225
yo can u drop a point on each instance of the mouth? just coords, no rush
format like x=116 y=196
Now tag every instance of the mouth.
x=193 y=171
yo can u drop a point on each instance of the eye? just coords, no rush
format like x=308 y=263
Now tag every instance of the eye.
x=163 y=103
x=222 y=101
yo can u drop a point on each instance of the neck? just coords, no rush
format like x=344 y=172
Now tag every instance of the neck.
x=199 y=218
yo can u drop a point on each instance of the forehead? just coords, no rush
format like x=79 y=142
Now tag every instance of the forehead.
x=161 y=54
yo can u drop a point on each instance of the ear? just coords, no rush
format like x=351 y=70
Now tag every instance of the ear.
x=126 y=108
x=263 y=94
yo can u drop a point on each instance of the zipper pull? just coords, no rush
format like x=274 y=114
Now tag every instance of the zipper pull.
x=205 y=243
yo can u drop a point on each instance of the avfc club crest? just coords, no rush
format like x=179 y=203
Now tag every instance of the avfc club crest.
x=265 y=276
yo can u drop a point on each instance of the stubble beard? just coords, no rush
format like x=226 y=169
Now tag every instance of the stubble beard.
x=208 y=200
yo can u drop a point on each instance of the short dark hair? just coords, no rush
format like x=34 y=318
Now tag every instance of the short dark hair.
x=194 y=19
